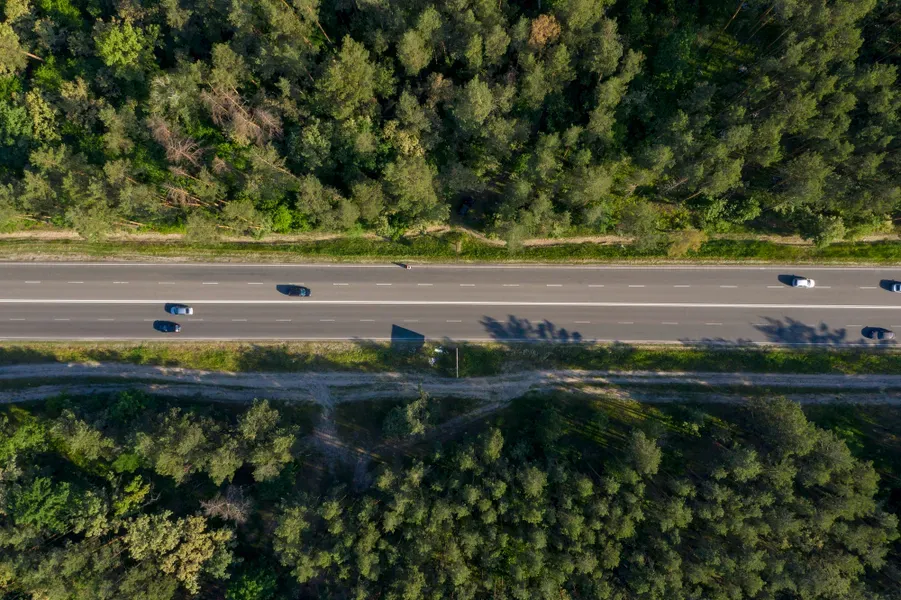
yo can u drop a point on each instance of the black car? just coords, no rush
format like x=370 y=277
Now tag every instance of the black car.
x=297 y=290
x=464 y=208
x=167 y=326
x=879 y=333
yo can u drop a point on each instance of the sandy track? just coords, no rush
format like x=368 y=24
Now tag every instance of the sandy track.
x=329 y=388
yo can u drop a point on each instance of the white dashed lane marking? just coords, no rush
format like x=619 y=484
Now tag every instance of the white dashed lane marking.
x=120 y=282
x=868 y=287
x=326 y=320
x=554 y=285
x=627 y=322
x=728 y=286
x=712 y=323
x=76 y=282
x=283 y=320
x=383 y=284
x=255 y=283
x=425 y=284
x=340 y=284
x=511 y=285
x=453 y=321
x=669 y=323
x=636 y=286
x=239 y=320
x=595 y=285
x=210 y=283
x=582 y=322
x=17 y=319
x=32 y=282
x=681 y=286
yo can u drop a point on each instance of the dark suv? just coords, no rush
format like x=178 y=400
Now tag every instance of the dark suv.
x=167 y=326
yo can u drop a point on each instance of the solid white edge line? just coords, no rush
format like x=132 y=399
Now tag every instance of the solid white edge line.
x=468 y=303
x=180 y=337
x=520 y=266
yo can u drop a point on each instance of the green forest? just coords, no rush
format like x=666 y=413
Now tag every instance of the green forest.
x=129 y=496
x=552 y=117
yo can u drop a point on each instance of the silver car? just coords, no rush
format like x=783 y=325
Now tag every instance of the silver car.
x=803 y=282
x=180 y=309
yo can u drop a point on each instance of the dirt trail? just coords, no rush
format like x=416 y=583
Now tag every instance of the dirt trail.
x=327 y=388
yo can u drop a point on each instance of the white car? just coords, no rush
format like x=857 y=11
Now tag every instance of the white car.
x=180 y=309
x=896 y=287
x=803 y=282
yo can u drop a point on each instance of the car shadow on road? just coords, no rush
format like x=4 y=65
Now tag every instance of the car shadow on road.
x=516 y=329
x=787 y=279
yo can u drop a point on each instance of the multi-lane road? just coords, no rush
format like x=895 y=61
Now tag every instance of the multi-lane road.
x=630 y=304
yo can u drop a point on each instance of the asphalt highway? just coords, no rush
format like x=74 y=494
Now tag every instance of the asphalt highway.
x=385 y=302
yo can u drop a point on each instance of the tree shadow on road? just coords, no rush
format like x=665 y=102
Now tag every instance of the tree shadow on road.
x=516 y=329
x=790 y=331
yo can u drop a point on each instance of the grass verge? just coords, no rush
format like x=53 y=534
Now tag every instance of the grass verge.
x=475 y=359
x=443 y=248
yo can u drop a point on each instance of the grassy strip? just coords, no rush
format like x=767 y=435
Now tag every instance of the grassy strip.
x=442 y=248
x=475 y=359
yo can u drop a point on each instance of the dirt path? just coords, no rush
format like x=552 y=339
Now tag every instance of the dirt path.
x=328 y=388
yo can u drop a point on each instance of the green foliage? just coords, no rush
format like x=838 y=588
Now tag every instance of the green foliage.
x=579 y=117
x=567 y=496
x=124 y=47
x=255 y=584
x=609 y=527
x=412 y=419
x=41 y=504
x=12 y=55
